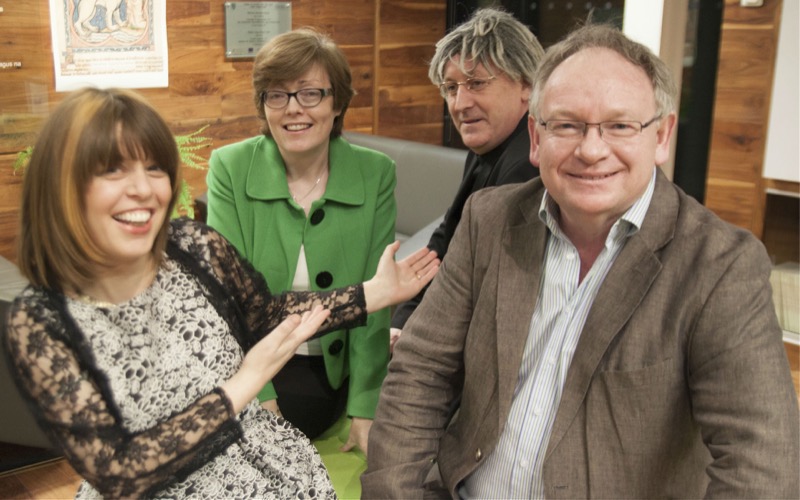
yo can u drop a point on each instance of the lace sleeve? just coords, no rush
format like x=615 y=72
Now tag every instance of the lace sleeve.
x=263 y=311
x=74 y=413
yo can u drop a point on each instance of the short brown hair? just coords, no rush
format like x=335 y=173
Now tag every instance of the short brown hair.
x=608 y=37
x=90 y=130
x=287 y=56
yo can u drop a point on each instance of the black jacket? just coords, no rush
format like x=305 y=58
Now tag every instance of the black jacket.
x=508 y=163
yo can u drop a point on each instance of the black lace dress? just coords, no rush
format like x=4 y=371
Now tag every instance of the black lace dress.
x=130 y=392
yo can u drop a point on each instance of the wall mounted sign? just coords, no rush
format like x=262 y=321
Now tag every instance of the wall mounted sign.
x=249 y=25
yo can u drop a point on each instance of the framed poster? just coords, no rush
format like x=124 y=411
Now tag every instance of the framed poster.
x=111 y=43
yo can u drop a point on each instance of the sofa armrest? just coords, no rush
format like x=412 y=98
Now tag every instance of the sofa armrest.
x=19 y=425
x=418 y=239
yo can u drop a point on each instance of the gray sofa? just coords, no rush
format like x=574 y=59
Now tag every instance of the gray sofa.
x=18 y=425
x=428 y=177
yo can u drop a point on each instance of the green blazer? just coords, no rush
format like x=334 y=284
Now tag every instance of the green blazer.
x=344 y=236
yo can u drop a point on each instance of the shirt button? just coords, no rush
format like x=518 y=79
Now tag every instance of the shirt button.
x=524 y=463
x=336 y=347
x=571 y=256
x=537 y=411
x=324 y=279
x=317 y=216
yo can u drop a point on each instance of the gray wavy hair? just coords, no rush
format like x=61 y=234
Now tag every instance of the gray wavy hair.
x=491 y=37
x=608 y=37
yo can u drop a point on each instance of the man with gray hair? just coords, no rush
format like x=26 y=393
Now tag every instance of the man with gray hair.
x=484 y=69
x=605 y=335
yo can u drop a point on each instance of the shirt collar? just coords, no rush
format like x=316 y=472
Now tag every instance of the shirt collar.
x=266 y=177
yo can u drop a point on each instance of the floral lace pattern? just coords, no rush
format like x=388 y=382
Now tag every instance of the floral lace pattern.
x=130 y=392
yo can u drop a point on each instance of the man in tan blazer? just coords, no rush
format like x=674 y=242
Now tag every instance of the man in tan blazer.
x=595 y=332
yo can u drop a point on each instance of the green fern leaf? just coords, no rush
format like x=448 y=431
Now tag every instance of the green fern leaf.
x=185 y=203
x=188 y=145
x=21 y=163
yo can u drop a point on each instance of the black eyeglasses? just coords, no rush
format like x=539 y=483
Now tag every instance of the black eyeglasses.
x=450 y=89
x=609 y=131
x=308 y=98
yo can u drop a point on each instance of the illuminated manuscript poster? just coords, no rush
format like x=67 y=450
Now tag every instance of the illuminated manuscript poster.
x=109 y=43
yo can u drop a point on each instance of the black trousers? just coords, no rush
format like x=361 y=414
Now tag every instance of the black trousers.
x=305 y=396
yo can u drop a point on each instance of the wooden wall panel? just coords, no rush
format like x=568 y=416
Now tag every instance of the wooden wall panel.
x=734 y=184
x=361 y=59
x=409 y=106
x=25 y=93
x=349 y=22
x=744 y=59
x=10 y=192
x=739 y=146
x=405 y=21
x=387 y=42
x=731 y=200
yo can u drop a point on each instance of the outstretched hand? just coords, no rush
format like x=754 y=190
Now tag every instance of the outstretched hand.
x=269 y=355
x=396 y=282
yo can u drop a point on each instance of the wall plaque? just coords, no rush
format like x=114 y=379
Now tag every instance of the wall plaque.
x=249 y=25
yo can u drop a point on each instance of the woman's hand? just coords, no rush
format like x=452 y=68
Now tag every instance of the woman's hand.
x=269 y=355
x=394 y=336
x=396 y=282
x=359 y=434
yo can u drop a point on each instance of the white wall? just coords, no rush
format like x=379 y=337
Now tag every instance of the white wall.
x=642 y=21
x=782 y=156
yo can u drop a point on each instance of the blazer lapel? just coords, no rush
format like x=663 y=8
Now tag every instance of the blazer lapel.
x=266 y=172
x=519 y=274
x=346 y=182
x=626 y=284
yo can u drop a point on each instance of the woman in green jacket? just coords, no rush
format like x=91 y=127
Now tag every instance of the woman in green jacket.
x=310 y=211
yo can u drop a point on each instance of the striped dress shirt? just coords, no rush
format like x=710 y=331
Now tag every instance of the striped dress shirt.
x=514 y=468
